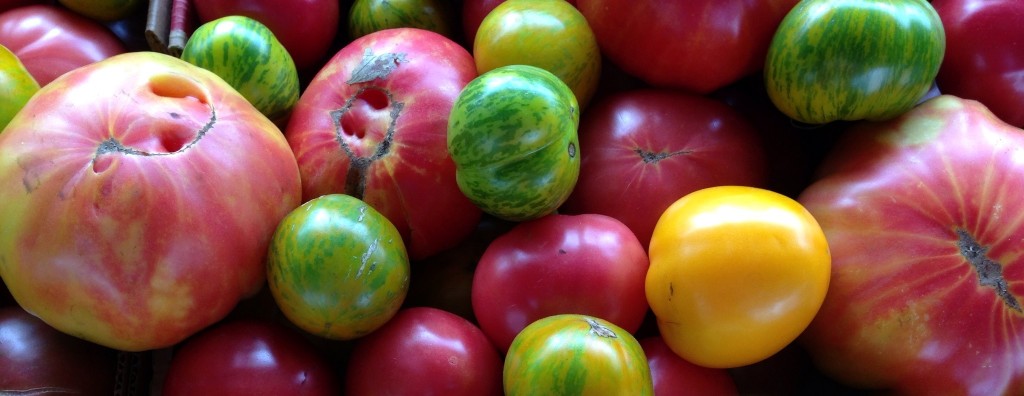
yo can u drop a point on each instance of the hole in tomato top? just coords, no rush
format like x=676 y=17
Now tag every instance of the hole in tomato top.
x=170 y=85
x=363 y=112
x=374 y=97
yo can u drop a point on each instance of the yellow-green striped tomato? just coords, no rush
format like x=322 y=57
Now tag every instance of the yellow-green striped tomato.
x=571 y=354
x=247 y=55
x=16 y=86
x=512 y=136
x=853 y=59
x=550 y=34
x=368 y=16
x=337 y=268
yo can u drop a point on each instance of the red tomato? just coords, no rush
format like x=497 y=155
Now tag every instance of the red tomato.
x=696 y=45
x=641 y=150
x=51 y=40
x=249 y=357
x=586 y=264
x=306 y=28
x=984 y=57
x=424 y=351
x=672 y=375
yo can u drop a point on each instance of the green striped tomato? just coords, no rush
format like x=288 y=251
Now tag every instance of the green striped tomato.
x=571 y=354
x=337 y=268
x=16 y=86
x=368 y=16
x=247 y=55
x=853 y=59
x=512 y=136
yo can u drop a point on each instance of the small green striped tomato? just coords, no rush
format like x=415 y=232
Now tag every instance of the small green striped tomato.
x=512 y=136
x=337 y=268
x=552 y=35
x=854 y=59
x=16 y=86
x=368 y=16
x=572 y=354
x=247 y=55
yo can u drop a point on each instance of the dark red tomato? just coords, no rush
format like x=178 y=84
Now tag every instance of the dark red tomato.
x=35 y=357
x=425 y=351
x=11 y=4
x=673 y=375
x=641 y=150
x=51 y=40
x=306 y=28
x=696 y=45
x=249 y=357
x=984 y=57
x=586 y=264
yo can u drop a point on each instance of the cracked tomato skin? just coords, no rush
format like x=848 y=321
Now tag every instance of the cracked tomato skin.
x=373 y=124
x=736 y=274
x=923 y=214
x=138 y=195
x=337 y=268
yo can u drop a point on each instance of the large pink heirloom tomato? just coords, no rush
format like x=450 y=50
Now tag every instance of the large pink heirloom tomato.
x=373 y=124
x=925 y=220
x=138 y=196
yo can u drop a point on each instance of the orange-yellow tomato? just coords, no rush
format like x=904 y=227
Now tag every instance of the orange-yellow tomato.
x=736 y=274
x=549 y=34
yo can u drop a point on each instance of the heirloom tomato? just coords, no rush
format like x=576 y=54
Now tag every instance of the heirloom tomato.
x=337 y=268
x=551 y=35
x=16 y=86
x=51 y=40
x=984 y=57
x=853 y=59
x=512 y=135
x=368 y=16
x=137 y=198
x=584 y=264
x=925 y=220
x=673 y=375
x=243 y=52
x=736 y=274
x=103 y=10
x=373 y=124
x=570 y=354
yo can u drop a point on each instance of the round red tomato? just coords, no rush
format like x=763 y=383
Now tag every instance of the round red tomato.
x=584 y=264
x=50 y=40
x=249 y=357
x=673 y=375
x=984 y=57
x=643 y=149
x=425 y=351
x=696 y=45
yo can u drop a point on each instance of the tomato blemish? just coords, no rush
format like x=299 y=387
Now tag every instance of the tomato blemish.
x=990 y=272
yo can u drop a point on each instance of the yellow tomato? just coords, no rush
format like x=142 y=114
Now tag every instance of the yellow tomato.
x=736 y=274
x=550 y=34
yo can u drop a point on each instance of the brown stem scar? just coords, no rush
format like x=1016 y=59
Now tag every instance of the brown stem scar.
x=600 y=330
x=990 y=272
x=651 y=157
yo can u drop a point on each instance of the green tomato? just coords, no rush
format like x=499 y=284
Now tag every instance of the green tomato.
x=512 y=136
x=337 y=268
x=854 y=59
x=571 y=354
x=247 y=55
x=16 y=86
x=368 y=16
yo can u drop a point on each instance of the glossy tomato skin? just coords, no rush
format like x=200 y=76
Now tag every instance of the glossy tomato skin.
x=513 y=137
x=852 y=59
x=248 y=357
x=672 y=375
x=139 y=196
x=643 y=149
x=571 y=354
x=368 y=16
x=984 y=54
x=51 y=40
x=425 y=351
x=373 y=124
x=306 y=28
x=584 y=264
x=35 y=356
x=551 y=35
x=697 y=46
x=736 y=274
x=337 y=268
x=926 y=285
